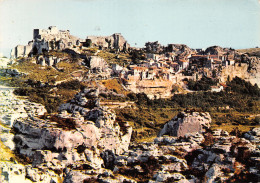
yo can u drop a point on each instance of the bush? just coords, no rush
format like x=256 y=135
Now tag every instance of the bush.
x=72 y=85
x=201 y=85
x=257 y=120
x=64 y=123
x=209 y=140
x=241 y=86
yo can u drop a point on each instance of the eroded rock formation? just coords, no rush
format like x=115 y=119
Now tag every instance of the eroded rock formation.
x=185 y=123
x=115 y=41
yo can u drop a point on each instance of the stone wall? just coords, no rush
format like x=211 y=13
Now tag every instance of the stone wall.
x=115 y=41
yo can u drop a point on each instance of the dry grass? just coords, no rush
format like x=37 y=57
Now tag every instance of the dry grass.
x=46 y=73
x=146 y=139
x=113 y=84
x=248 y=50
x=251 y=51
x=113 y=58
x=230 y=127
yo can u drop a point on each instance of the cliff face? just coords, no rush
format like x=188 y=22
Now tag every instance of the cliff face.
x=152 y=88
x=247 y=71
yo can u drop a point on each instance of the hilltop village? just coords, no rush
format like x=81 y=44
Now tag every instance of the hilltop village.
x=153 y=69
x=98 y=110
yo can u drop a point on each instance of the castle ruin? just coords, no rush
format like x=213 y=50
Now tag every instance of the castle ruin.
x=115 y=41
x=52 y=38
x=46 y=40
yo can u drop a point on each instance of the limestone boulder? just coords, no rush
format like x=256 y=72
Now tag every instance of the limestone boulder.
x=186 y=123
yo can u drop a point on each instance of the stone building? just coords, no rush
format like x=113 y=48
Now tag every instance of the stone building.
x=45 y=40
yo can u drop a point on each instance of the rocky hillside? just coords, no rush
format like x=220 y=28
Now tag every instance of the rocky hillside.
x=84 y=144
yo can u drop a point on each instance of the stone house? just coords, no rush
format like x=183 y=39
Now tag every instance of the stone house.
x=183 y=64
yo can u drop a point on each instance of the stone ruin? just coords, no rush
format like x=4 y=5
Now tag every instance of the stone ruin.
x=115 y=41
x=178 y=48
x=96 y=63
x=47 y=60
x=45 y=40
x=54 y=39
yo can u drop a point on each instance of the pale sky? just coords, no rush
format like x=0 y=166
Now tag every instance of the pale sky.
x=197 y=23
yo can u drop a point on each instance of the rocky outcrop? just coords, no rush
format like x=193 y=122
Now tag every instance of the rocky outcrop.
x=180 y=49
x=193 y=157
x=4 y=62
x=185 y=123
x=80 y=132
x=11 y=109
x=84 y=143
x=217 y=50
x=115 y=41
x=96 y=62
x=153 y=47
x=80 y=136
x=87 y=104
x=156 y=88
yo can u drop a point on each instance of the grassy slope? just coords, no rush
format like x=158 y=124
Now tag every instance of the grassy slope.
x=113 y=84
x=113 y=58
x=47 y=74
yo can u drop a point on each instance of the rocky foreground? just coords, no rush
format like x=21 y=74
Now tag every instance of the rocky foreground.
x=85 y=143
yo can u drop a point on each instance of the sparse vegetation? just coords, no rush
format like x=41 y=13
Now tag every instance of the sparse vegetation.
x=51 y=97
x=251 y=51
x=47 y=73
x=123 y=59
